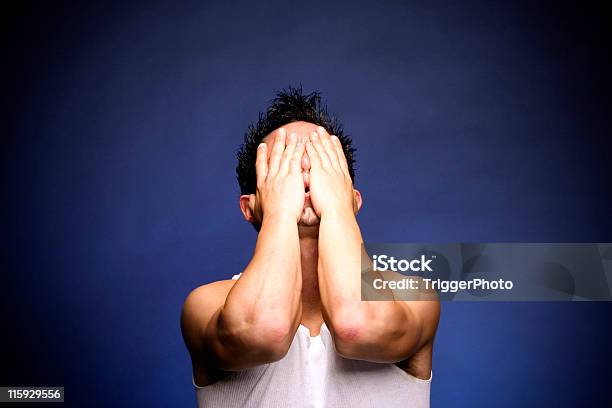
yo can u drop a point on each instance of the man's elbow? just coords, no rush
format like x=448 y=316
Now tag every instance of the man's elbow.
x=268 y=341
x=349 y=339
x=352 y=335
x=372 y=340
x=275 y=339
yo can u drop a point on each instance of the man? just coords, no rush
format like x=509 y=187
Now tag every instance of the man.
x=291 y=329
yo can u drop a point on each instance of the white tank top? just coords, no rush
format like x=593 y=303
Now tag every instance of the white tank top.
x=313 y=375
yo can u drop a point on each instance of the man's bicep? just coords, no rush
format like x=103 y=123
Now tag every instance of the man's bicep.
x=421 y=306
x=426 y=314
x=200 y=311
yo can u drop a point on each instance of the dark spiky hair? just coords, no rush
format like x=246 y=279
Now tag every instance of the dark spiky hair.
x=290 y=105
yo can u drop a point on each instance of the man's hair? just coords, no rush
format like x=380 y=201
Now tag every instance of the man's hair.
x=290 y=105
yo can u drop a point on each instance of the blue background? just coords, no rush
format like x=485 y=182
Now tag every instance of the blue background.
x=474 y=122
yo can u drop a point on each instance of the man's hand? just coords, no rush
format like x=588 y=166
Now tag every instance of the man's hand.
x=280 y=186
x=331 y=187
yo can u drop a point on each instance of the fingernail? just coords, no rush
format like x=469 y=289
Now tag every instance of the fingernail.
x=300 y=144
x=321 y=129
x=261 y=146
x=315 y=135
x=292 y=136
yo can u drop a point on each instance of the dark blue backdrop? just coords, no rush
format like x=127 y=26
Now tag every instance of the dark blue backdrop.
x=474 y=122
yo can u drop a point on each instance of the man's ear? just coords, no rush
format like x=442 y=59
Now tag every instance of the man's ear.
x=247 y=206
x=357 y=200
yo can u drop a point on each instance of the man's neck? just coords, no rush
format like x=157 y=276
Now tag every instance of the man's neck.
x=311 y=299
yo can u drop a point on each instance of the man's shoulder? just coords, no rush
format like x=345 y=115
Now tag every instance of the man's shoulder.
x=200 y=306
x=210 y=292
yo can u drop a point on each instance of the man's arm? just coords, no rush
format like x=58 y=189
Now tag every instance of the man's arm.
x=379 y=331
x=254 y=321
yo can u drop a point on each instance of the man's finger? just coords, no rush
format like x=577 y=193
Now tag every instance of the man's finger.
x=341 y=156
x=323 y=158
x=261 y=163
x=295 y=166
x=329 y=147
x=315 y=162
x=277 y=151
x=288 y=154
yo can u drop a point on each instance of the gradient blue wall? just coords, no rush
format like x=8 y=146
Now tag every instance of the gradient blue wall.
x=474 y=122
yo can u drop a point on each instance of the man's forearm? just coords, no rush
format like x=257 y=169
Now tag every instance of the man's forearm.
x=264 y=305
x=339 y=260
x=363 y=330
